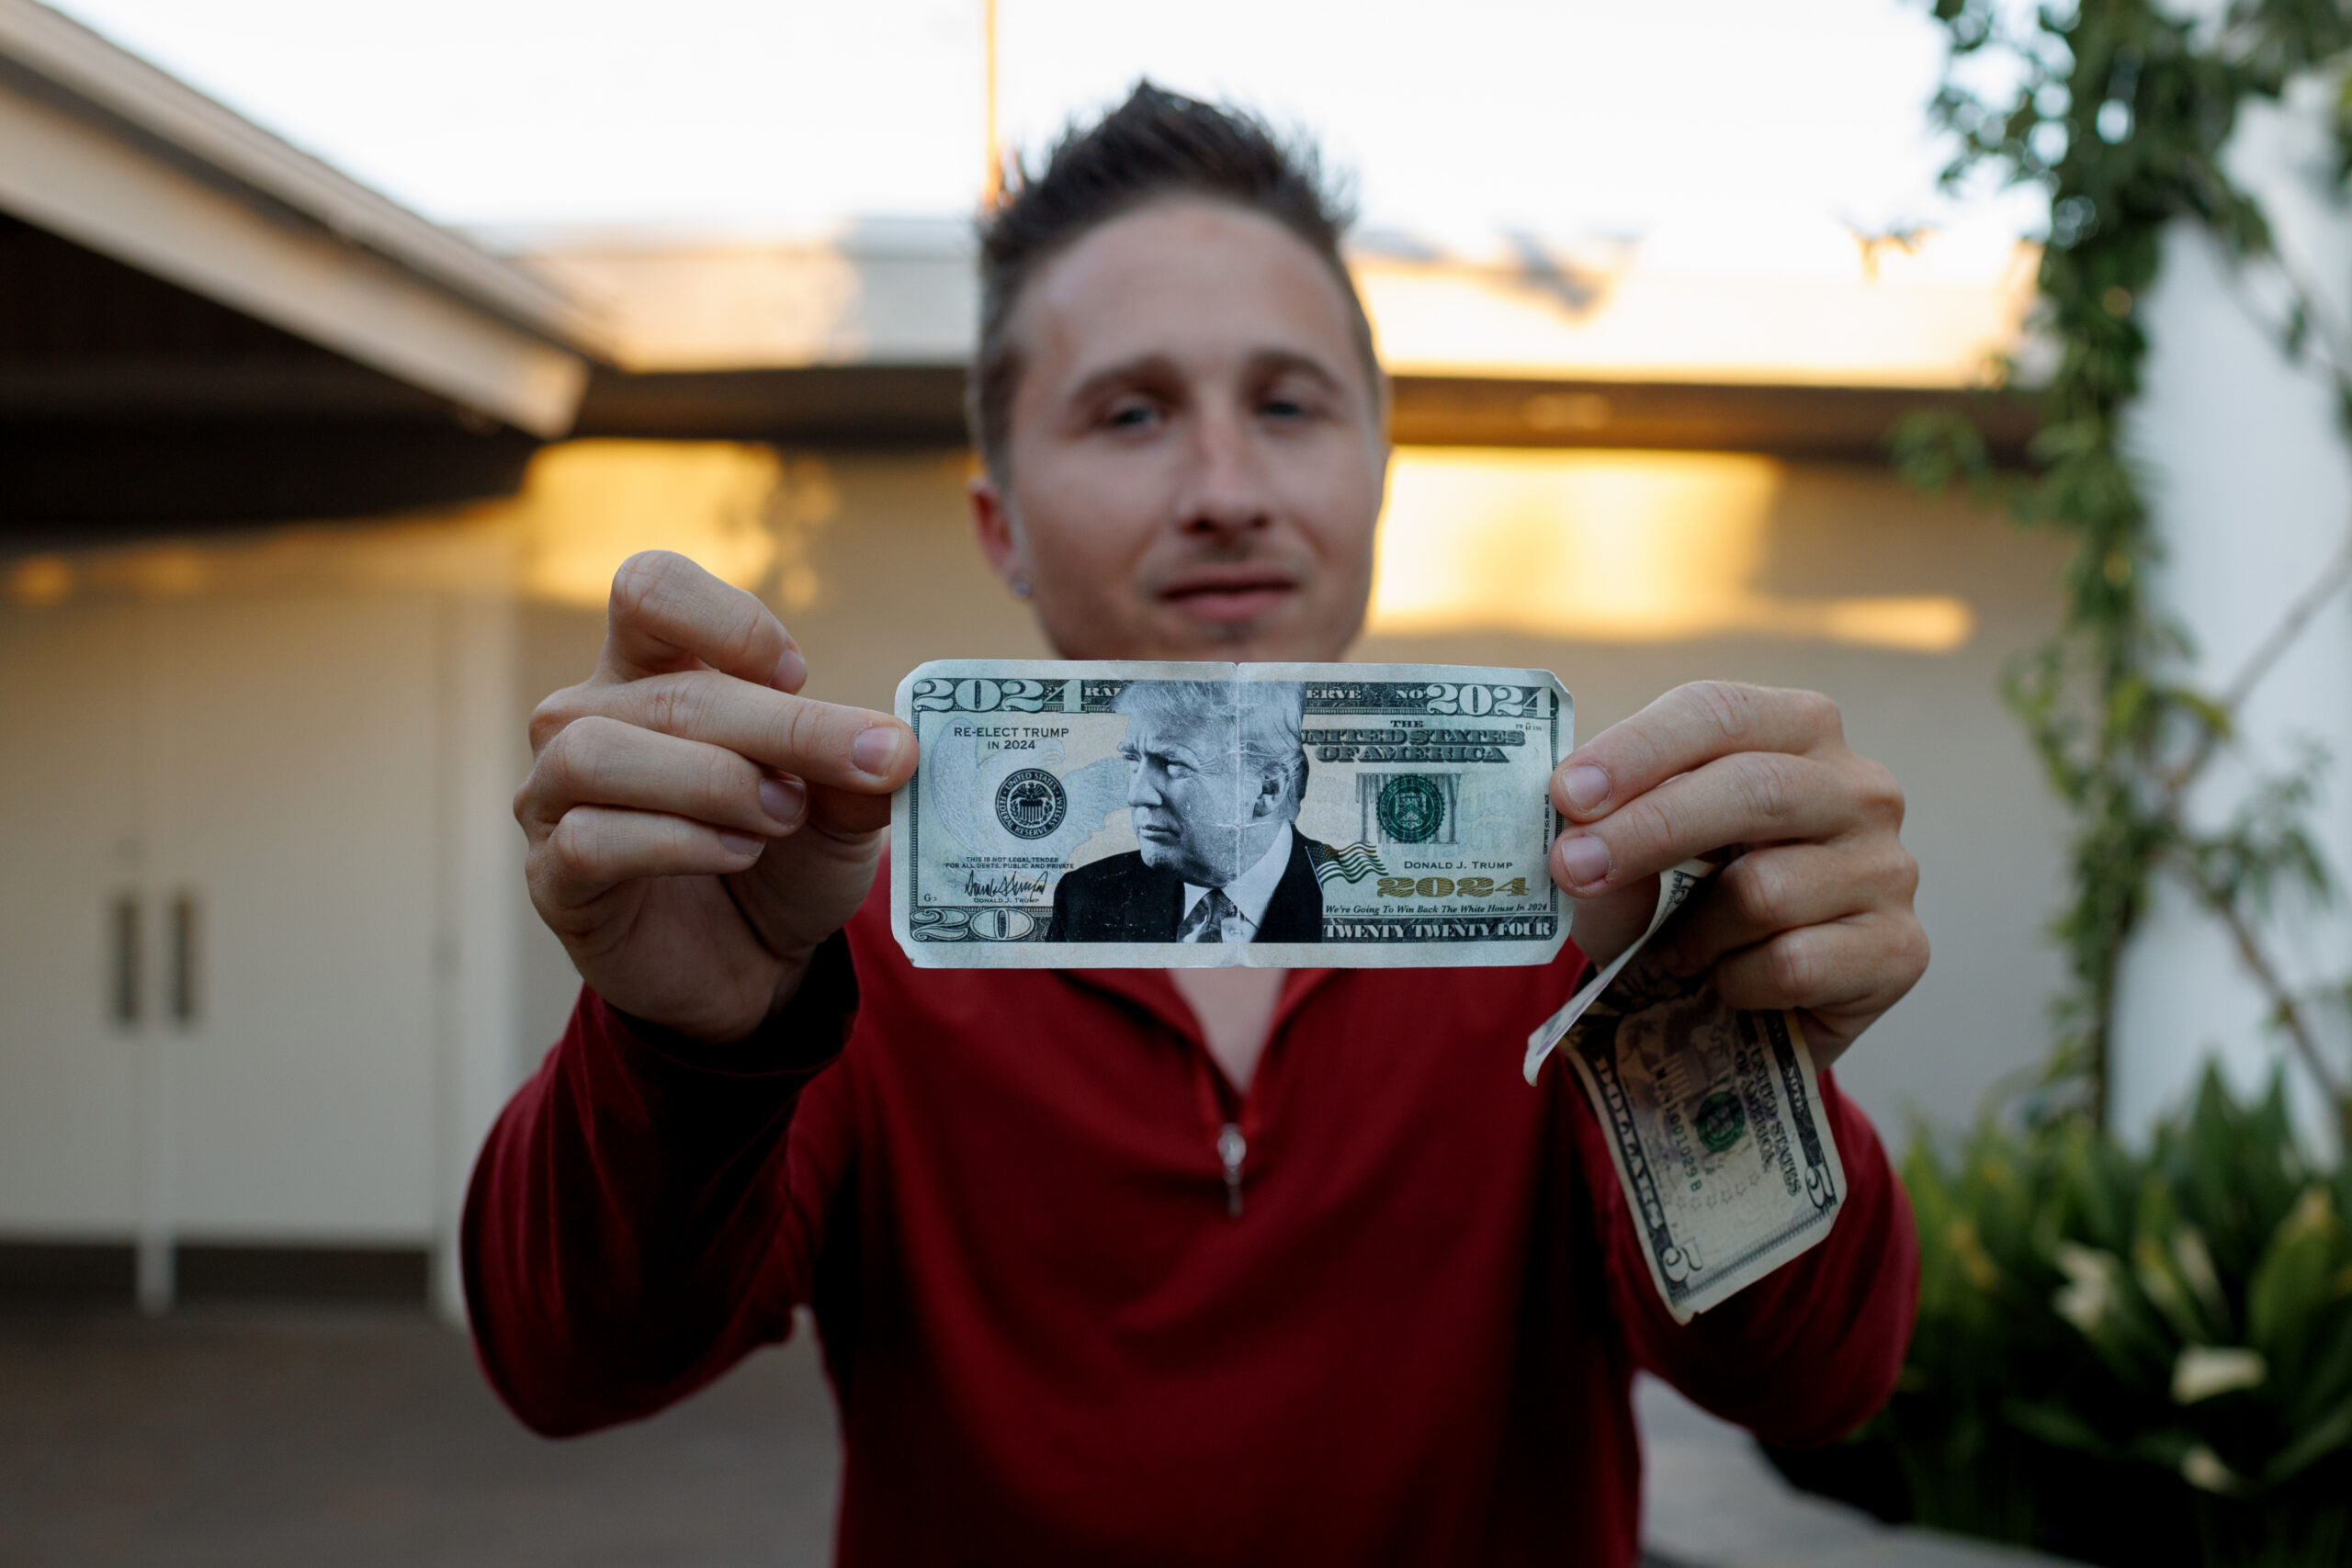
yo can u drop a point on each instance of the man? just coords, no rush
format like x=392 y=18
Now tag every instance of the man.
x=1217 y=858
x=1152 y=1266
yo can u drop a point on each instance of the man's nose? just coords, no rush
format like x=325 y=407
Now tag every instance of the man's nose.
x=1231 y=492
x=1141 y=788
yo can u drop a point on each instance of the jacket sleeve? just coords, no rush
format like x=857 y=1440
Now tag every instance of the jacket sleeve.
x=634 y=1226
x=1810 y=1351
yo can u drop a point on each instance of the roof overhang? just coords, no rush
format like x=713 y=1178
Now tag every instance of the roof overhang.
x=858 y=333
x=922 y=405
x=103 y=149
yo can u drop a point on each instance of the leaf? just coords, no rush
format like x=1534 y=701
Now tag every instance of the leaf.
x=2296 y=334
x=2163 y=1447
x=2289 y=1284
x=2211 y=714
x=2207 y=1472
x=1934 y=449
x=2329 y=1436
x=2193 y=1264
x=2326 y=1384
x=2159 y=1280
x=2056 y=1424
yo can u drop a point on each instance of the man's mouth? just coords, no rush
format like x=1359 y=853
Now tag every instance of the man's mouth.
x=1158 y=833
x=1230 y=593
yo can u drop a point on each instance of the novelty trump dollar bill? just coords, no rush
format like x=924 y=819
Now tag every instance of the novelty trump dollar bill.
x=1189 y=815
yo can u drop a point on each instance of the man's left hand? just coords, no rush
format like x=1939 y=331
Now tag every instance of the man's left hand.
x=1815 y=915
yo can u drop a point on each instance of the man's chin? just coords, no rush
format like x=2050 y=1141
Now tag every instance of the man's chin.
x=1169 y=857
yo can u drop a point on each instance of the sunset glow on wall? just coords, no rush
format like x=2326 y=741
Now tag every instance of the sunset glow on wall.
x=1612 y=547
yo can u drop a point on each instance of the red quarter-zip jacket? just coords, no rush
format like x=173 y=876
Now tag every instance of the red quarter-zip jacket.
x=1402 y=1332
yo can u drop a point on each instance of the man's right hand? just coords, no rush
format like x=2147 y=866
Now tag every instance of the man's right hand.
x=696 y=828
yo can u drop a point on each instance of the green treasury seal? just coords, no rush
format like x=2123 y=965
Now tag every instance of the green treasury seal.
x=1412 y=808
x=1720 y=1120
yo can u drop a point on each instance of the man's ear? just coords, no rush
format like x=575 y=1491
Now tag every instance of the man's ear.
x=998 y=532
x=1273 y=793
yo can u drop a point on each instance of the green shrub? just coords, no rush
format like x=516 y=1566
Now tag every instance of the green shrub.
x=2132 y=1357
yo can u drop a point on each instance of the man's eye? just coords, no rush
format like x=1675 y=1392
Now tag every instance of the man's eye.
x=1131 y=415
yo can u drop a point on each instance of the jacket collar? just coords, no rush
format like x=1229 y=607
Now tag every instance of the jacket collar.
x=1296 y=988
x=1149 y=989
x=1155 y=994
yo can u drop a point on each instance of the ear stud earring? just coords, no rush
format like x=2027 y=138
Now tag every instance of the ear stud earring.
x=1021 y=587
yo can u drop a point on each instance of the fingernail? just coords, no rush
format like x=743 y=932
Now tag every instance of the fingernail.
x=1583 y=859
x=784 y=799
x=875 y=750
x=790 y=671
x=1585 y=786
x=743 y=843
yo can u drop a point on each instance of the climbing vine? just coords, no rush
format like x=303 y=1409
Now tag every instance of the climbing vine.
x=2119 y=111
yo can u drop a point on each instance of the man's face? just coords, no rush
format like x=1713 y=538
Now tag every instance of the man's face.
x=1184 y=790
x=1195 y=460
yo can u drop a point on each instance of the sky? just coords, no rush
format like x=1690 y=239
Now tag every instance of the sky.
x=1552 y=117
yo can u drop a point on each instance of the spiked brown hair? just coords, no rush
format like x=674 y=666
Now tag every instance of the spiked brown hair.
x=1157 y=144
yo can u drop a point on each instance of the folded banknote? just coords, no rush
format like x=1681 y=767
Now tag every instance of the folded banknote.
x=1281 y=816
x=1711 y=1114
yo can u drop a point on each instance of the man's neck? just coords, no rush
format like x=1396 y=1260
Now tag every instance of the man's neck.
x=1236 y=1010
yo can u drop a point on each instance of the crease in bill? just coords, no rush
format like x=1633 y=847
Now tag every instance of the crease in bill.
x=1674 y=890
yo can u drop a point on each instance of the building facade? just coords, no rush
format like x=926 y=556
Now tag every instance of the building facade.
x=307 y=503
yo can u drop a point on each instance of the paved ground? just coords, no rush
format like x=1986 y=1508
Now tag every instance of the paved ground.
x=1710 y=1501
x=350 y=1438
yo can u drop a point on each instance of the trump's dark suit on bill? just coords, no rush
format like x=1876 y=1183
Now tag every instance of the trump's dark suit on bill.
x=1119 y=898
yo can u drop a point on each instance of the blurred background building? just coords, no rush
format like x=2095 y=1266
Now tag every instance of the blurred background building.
x=304 y=502
x=347 y=350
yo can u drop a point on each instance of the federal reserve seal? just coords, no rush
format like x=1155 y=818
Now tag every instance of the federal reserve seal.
x=1031 y=804
x=1412 y=808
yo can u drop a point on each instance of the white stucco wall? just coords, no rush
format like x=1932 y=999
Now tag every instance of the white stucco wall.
x=2251 y=484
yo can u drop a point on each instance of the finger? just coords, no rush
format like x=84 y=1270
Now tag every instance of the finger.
x=1853 y=968
x=1785 y=887
x=1755 y=798
x=600 y=760
x=668 y=614
x=847 y=814
x=1687 y=728
x=825 y=743
x=594 y=847
x=1604 y=927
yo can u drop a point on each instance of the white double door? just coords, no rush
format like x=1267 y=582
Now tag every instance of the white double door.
x=224 y=869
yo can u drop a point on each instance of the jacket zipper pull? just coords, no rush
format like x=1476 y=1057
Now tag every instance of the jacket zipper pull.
x=1231 y=1149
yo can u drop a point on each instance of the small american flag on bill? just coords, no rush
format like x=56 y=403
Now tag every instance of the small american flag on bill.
x=1350 y=862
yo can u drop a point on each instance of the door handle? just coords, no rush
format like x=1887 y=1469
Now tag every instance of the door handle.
x=122 y=980
x=187 y=933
